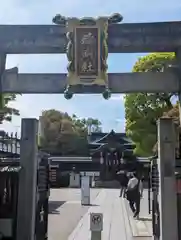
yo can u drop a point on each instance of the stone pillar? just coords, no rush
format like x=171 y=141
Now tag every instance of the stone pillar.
x=167 y=193
x=40 y=130
x=2 y=70
x=101 y=166
x=27 y=180
x=178 y=69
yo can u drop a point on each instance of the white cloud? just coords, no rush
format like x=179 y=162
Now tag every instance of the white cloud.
x=116 y=97
x=121 y=123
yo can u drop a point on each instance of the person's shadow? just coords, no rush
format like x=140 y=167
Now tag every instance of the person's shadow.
x=54 y=205
x=144 y=219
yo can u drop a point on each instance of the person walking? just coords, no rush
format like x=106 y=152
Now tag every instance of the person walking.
x=134 y=194
x=123 y=182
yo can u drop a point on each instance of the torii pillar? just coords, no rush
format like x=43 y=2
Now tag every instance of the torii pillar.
x=167 y=189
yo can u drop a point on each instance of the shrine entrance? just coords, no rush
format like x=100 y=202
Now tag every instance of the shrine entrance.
x=113 y=151
x=87 y=43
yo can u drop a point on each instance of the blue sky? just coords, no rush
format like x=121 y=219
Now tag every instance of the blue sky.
x=110 y=113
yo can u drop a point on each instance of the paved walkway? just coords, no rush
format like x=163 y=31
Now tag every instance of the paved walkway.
x=65 y=211
x=141 y=228
x=118 y=221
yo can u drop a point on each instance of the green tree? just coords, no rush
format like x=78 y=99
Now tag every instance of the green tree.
x=6 y=112
x=63 y=134
x=142 y=110
x=95 y=125
x=85 y=123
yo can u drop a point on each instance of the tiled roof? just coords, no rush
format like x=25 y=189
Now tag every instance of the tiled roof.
x=100 y=137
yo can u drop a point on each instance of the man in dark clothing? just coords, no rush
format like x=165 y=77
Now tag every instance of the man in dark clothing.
x=123 y=182
x=134 y=194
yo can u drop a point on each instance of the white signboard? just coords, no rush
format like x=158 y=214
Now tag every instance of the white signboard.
x=96 y=222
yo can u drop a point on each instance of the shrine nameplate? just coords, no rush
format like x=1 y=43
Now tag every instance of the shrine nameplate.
x=87 y=61
x=87 y=51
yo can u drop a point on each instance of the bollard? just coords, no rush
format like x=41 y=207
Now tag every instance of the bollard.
x=96 y=225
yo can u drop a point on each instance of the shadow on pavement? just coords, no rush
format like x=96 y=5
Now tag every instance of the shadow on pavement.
x=90 y=205
x=94 y=205
x=54 y=205
x=145 y=219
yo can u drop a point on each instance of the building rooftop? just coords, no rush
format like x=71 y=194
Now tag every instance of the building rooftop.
x=100 y=137
x=98 y=141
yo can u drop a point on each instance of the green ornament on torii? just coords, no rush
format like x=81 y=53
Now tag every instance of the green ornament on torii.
x=87 y=52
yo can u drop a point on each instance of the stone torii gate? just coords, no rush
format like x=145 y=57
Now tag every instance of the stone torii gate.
x=122 y=38
x=108 y=35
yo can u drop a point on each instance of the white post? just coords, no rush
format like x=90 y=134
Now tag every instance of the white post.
x=85 y=190
x=96 y=225
x=166 y=164
x=93 y=180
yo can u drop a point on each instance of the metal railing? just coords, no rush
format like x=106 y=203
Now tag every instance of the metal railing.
x=9 y=144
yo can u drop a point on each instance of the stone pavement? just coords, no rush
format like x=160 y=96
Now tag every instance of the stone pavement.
x=69 y=220
x=65 y=211
x=141 y=228
x=118 y=222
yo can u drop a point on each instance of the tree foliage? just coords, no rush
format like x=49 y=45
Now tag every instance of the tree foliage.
x=6 y=112
x=84 y=123
x=174 y=113
x=142 y=110
x=64 y=134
